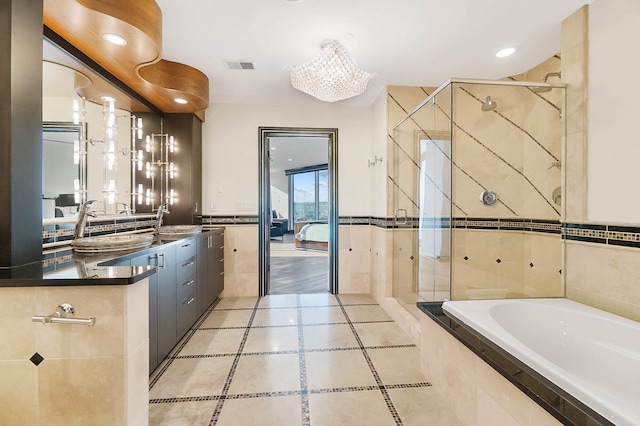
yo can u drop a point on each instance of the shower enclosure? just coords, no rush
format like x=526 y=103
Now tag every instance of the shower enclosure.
x=476 y=184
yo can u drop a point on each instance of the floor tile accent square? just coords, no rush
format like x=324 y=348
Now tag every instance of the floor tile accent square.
x=272 y=339
x=338 y=369
x=322 y=315
x=382 y=334
x=284 y=316
x=266 y=373
x=209 y=342
x=328 y=337
x=181 y=413
x=361 y=313
x=397 y=365
x=228 y=318
x=192 y=377
x=349 y=408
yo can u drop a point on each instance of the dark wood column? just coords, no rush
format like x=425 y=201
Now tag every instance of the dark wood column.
x=20 y=132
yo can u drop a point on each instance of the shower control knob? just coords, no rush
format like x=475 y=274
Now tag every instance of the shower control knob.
x=488 y=197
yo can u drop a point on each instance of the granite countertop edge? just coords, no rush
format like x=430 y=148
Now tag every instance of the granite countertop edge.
x=89 y=270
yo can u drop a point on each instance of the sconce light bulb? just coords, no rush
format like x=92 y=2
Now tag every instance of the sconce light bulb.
x=147 y=145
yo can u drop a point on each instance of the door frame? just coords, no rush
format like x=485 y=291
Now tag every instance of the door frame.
x=264 y=193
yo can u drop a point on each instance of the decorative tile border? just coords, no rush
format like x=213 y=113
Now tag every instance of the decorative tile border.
x=627 y=236
x=63 y=232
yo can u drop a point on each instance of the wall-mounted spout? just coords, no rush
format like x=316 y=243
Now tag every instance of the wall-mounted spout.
x=557 y=164
x=544 y=89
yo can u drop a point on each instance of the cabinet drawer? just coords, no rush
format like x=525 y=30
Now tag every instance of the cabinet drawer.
x=186 y=287
x=186 y=249
x=187 y=313
x=186 y=268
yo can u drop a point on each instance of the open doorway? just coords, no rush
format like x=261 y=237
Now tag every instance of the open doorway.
x=298 y=211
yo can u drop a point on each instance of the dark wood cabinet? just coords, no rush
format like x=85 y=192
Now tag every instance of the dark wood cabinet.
x=210 y=268
x=189 y=277
x=186 y=271
x=162 y=302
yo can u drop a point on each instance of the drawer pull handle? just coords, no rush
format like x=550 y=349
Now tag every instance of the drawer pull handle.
x=186 y=245
x=187 y=264
x=221 y=247
x=222 y=273
x=188 y=283
x=190 y=300
x=221 y=260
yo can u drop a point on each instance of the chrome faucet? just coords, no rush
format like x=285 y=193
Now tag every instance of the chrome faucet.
x=162 y=209
x=125 y=208
x=83 y=212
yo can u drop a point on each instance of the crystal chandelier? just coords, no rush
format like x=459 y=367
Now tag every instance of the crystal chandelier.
x=332 y=76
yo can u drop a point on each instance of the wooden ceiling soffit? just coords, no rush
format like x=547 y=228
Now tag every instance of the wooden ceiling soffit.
x=138 y=64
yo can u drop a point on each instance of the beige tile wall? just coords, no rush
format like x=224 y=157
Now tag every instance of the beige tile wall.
x=514 y=273
x=95 y=375
x=605 y=277
x=602 y=276
x=575 y=62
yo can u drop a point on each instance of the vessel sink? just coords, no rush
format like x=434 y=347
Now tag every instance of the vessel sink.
x=108 y=243
x=179 y=230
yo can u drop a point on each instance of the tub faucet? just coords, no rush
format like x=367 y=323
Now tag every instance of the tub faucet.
x=162 y=209
x=83 y=212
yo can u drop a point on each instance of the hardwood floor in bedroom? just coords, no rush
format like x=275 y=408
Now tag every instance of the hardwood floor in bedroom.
x=297 y=271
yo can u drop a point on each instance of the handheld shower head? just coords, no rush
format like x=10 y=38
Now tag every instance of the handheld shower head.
x=489 y=104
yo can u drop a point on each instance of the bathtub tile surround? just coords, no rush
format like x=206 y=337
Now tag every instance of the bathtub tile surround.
x=491 y=379
x=299 y=360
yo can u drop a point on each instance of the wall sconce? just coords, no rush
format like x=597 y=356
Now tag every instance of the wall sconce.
x=375 y=161
x=162 y=169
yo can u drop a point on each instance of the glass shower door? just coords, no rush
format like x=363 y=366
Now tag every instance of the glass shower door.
x=421 y=197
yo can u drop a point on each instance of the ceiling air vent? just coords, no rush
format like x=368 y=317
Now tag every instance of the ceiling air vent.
x=239 y=65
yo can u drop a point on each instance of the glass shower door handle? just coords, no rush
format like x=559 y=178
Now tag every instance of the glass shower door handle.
x=395 y=217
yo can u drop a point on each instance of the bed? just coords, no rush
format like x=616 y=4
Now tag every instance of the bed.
x=311 y=235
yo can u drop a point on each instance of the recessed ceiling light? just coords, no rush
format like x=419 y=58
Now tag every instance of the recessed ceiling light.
x=273 y=148
x=505 y=52
x=180 y=101
x=289 y=159
x=293 y=1
x=115 y=39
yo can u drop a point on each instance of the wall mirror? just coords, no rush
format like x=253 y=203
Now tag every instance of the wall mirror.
x=87 y=132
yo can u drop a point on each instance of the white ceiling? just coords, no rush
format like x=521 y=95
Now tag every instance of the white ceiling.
x=404 y=42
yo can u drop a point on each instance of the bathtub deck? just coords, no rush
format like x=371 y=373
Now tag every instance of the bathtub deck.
x=557 y=402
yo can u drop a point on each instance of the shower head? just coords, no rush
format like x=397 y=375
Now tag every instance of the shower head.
x=489 y=104
x=545 y=89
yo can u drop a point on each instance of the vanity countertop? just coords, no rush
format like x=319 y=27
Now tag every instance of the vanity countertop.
x=80 y=269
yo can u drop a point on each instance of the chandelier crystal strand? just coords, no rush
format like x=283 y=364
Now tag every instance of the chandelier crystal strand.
x=332 y=76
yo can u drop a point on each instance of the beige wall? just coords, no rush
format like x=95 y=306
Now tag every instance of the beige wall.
x=603 y=276
x=230 y=153
x=93 y=375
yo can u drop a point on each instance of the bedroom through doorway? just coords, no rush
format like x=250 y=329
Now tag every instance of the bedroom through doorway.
x=297 y=202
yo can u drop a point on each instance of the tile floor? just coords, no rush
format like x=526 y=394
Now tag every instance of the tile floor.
x=309 y=359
